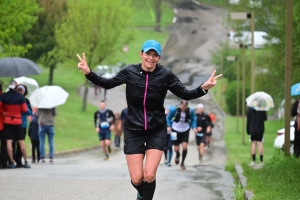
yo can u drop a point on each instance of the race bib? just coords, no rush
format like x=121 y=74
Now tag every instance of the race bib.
x=200 y=134
x=104 y=125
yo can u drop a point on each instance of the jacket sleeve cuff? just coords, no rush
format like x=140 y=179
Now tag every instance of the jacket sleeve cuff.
x=204 y=91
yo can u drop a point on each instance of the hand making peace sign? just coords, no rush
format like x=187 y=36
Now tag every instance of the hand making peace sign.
x=82 y=65
x=212 y=81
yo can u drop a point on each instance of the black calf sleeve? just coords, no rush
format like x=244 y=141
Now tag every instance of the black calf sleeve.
x=139 y=188
x=184 y=152
x=148 y=190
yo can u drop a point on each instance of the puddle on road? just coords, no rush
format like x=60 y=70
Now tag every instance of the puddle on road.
x=186 y=19
x=191 y=6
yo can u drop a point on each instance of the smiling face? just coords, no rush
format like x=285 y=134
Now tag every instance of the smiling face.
x=149 y=60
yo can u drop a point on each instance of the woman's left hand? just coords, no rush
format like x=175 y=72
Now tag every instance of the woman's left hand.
x=82 y=65
x=212 y=81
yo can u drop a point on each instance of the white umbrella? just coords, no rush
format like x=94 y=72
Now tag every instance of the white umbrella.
x=30 y=83
x=260 y=101
x=52 y=96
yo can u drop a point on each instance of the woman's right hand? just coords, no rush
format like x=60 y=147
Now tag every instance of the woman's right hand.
x=82 y=65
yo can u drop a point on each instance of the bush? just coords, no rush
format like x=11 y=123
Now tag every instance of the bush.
x=230 y=97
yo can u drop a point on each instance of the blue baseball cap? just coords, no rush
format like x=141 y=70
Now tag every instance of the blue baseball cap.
x=152 y=44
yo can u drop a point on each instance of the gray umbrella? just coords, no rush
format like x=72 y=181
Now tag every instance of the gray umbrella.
x=16 y=67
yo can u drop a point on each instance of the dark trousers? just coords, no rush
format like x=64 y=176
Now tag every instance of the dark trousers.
x=3 y=154
x=117 y=141
x=35 y=148
x=297 y=143
x=17 y=150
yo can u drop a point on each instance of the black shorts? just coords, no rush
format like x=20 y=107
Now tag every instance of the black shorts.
x=208 y=134
x=13 y=132
x=181 y=137
x=201 y=139
x=137 y=142
x=258 y=138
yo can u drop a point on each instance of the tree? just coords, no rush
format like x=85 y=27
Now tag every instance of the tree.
x=100 y=29
x=16 y=17
x=270 y=16
x=42 y=34
x=157 y=7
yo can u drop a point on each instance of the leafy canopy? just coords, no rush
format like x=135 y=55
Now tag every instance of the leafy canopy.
x=98 y=28
x=16 y=17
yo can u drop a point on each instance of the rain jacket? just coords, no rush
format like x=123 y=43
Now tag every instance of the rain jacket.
x=25 y=115
x=145 y=94
x=1 y=117
x=256 y=121
x=172 y=114
x=13 y=104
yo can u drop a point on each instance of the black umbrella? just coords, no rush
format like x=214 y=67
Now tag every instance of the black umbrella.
x=16 y=67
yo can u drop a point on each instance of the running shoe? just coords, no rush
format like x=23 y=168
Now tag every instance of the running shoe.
x=51 y=161
x=27 y=165
x=19 y=165
x=109 y=149
x=261 y=164
x=166 y=162
x=252 y=164
x=169 y=165
x=139 y=197
x=182 y=166
x=11 y=166
x=106 y=158
x=177 y=160
x=42 y=161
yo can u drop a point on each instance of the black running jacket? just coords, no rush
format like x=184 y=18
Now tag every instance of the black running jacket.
x=145 y=94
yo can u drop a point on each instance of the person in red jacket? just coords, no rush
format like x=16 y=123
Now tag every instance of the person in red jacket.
x=13 y=104
x=3 y=154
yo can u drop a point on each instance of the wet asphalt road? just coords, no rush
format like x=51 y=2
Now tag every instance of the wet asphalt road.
x=86 y=176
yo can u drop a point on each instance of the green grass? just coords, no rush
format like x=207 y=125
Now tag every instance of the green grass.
x=218 y=92
x=213 y=2
x=144 y=14
x=279 y=174
x=278 y=179
x=132 y=56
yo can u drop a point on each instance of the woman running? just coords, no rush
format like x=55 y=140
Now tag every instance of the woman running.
x=145 y=127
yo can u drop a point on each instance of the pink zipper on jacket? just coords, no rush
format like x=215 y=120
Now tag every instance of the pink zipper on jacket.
x=145 y=110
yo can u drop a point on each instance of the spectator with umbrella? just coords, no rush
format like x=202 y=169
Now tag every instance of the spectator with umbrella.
x=46 y=99
x=258 y=103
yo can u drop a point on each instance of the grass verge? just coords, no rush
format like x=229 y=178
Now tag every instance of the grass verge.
x=277 y=179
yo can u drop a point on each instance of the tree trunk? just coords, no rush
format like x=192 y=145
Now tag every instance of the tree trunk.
x=157 y=7
x=51 y=74
x=85 y=93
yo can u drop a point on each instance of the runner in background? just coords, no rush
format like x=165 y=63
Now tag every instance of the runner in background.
x=103 y=120
x=203 y=127
x=209 y=134
x=180 y=120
